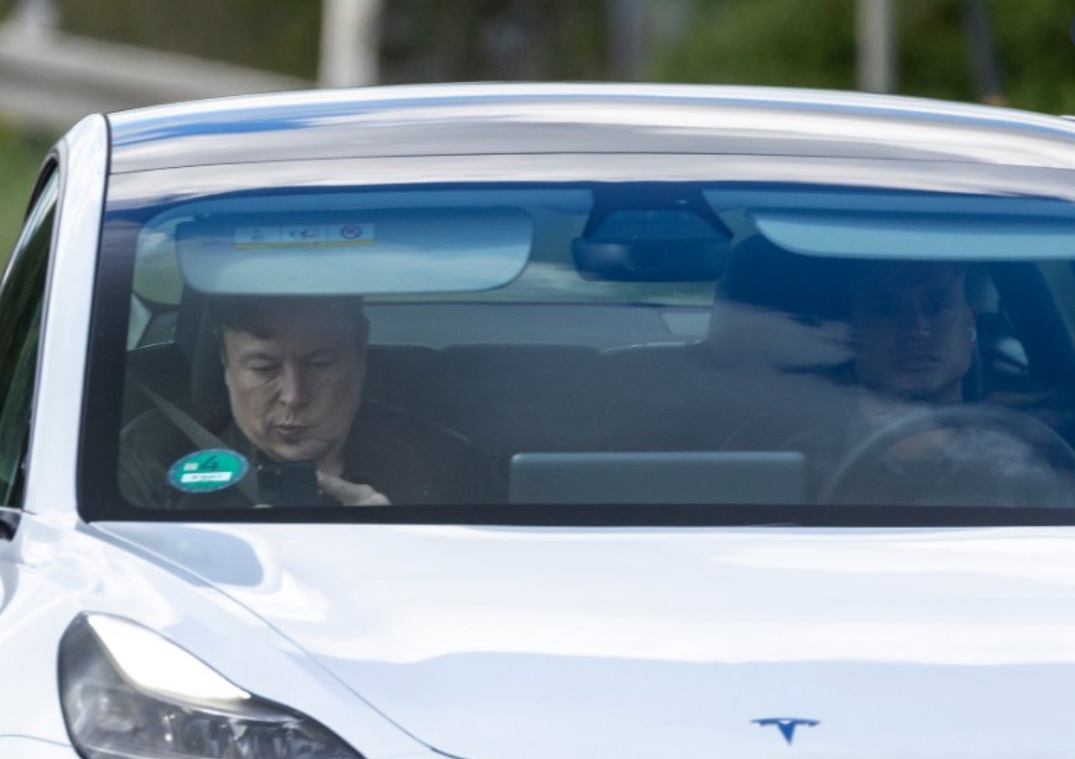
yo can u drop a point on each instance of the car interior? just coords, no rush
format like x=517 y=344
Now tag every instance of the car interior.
x=651 y=343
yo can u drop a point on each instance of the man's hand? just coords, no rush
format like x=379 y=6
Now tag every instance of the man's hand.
x=350 y=494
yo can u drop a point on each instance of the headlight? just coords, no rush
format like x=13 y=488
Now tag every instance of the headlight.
x=129 y=693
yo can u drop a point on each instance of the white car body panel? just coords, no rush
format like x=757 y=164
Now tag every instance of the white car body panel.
x=631 y=642
x=31 y=748
x=83 y=157
x=57 y=573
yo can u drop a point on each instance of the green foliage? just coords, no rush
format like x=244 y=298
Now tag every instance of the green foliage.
x=765 y=42
x=806 y=43
x=421 y=40
x=1037 y=54
x=813 y=44
x=934 y=50
x=483 y=40
x=1034 y=52
x=274 y=35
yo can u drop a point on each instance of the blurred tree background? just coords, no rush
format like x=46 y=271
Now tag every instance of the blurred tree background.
x=812 y=44
x=772 y=42
x=778 y=42
x=421 y=40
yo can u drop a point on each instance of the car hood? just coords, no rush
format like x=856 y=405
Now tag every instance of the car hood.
x=489 y=642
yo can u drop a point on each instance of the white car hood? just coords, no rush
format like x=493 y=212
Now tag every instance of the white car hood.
x=531 y=643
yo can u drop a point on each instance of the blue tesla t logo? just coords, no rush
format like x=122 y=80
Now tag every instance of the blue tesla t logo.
x=786 y=725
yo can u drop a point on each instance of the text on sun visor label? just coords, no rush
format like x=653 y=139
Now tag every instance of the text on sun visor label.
x=302 y=235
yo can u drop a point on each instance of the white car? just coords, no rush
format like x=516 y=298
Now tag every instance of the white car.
x=518 y=422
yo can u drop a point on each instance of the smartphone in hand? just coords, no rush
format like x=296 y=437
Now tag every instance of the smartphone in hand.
x=288 y=483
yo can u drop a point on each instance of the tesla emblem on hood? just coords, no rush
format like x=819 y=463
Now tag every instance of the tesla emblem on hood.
x=786 y=725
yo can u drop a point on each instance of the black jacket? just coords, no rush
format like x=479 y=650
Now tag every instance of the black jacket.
x=409 y=461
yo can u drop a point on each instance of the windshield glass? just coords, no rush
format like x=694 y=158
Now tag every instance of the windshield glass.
x=725 y=353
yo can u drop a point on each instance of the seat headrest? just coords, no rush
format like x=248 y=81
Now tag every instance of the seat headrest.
x=763 y=275
x=198 y=341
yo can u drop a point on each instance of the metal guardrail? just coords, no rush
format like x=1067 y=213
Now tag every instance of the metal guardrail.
x=49 y=79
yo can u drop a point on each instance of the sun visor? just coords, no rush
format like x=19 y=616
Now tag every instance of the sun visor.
x=395 y=250
x=922 y=226
x=914 y=236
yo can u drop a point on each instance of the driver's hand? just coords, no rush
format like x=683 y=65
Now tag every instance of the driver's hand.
x=1047 y=406
x=349 y=493
x=923 y=446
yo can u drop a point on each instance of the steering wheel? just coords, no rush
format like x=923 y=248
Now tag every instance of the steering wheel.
x=1019 y=425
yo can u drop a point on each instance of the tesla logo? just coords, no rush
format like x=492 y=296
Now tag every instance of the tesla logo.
x=786 y=725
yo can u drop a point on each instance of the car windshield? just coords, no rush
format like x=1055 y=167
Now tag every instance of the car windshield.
x=723 y=353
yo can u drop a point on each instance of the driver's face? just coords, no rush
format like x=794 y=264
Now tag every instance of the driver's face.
x=913 y=330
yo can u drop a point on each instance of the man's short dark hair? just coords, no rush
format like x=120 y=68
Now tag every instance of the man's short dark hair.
x=245 y=313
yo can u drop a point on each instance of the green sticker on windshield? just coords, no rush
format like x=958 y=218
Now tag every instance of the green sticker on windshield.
x=206 y=471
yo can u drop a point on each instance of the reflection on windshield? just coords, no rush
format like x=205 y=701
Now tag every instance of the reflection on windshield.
x=767 y=376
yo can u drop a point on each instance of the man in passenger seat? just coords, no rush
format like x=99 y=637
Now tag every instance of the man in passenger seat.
x=294 y=369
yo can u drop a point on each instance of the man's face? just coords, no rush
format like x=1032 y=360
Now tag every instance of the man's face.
x=295 y=379
x=913 y=330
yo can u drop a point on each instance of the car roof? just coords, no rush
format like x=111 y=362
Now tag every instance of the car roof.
x=514 y=119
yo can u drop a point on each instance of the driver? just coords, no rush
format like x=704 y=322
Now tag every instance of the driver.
x=913 y=342
x=912 y=330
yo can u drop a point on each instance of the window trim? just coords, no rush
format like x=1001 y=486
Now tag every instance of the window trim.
x=43 y=210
